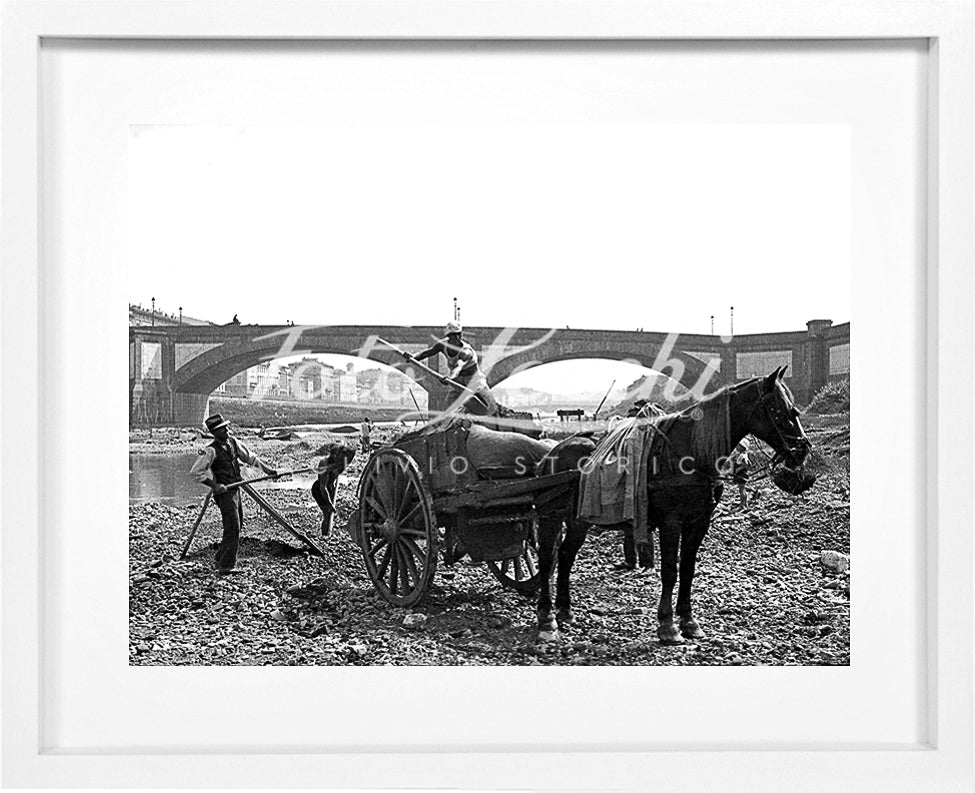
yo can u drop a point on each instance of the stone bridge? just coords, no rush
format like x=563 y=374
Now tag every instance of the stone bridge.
x=174 y=369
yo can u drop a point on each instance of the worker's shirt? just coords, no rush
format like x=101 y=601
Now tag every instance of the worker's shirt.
x=232 y=449
x=461 y=358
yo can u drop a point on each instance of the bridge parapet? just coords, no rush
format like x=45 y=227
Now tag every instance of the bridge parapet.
x=172 y=370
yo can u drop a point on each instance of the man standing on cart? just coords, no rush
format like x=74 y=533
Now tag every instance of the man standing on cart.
x=471 y=390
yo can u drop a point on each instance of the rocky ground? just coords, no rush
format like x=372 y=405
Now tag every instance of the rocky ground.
x=761 y=593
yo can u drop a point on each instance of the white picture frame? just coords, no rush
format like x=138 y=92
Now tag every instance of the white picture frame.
x=944 y=762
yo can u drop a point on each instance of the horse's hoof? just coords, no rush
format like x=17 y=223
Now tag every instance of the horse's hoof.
x=668 y=634
x=689 y=629
x=564 y=618
x=548 y=631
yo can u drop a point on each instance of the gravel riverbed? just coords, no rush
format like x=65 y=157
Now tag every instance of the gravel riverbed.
x=761 y=593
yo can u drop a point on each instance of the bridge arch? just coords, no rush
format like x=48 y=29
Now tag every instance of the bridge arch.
x=691 y=374
x=199 y=376
x=204 y=373
x=195 y=381
x=173 y=369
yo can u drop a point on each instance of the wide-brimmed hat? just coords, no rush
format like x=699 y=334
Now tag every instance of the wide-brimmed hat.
x=215 y=422
x=453 y=327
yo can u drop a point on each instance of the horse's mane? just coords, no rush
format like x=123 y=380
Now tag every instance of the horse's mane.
x=711 y=429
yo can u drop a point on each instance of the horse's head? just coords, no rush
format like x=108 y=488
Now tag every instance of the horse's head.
x=771 y=415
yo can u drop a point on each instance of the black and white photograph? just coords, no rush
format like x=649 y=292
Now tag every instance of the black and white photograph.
x=489 y=394
x=488 y=420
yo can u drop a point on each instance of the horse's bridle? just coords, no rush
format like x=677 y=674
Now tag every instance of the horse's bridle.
x=793 y=444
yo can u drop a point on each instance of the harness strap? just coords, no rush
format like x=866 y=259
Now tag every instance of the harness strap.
x=696 y=479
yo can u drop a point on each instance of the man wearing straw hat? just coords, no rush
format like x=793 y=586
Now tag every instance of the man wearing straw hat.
x=218 y=466
x=472 y=391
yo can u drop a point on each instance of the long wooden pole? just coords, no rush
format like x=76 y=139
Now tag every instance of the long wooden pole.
x=433 y=372
x=596 y=414
x=232 y=485
x=416 y=405
x=266 y=506
x=196 y=524
x=209 y=497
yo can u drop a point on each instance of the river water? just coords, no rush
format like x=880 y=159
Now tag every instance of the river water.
x=165 y=479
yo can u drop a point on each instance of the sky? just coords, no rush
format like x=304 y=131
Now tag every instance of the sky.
x=612 y=226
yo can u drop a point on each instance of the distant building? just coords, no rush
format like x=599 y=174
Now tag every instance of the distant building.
x=308 y=378
x=368 y=385
x=386 y=387
x=311 y=378
x=262 y=381
x=347 y=388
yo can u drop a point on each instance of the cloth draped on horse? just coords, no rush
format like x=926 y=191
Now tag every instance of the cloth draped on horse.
x=614 y=483
x=640 y=453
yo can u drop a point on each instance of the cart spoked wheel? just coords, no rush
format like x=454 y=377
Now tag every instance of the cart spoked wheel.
x=398 y=527
x=520 y=573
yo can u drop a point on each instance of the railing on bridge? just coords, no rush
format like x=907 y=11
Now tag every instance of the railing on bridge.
x=174 y=369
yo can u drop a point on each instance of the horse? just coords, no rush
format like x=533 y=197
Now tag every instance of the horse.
x=696 y=443
x=681 y=502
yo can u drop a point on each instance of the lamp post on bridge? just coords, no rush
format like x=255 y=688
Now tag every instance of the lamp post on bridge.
x=153 y=312
x=180 y=316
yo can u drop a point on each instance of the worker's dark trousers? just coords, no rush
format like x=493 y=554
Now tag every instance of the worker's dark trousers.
x=232 y=513
x=323 y=491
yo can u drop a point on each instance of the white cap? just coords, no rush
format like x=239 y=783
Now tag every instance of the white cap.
x=744 y=443
x=453 y=327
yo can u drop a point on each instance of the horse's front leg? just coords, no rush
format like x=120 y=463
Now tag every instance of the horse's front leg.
x=548 y=532
x=691 y=539
x=575 y=536
x=669 y=538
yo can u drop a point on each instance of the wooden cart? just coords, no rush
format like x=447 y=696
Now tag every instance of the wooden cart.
x=421 y=496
